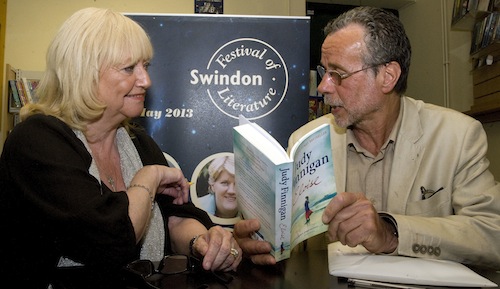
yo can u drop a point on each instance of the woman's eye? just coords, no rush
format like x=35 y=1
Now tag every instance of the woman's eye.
x=129 y=69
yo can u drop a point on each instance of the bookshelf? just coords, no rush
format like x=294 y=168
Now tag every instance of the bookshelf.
x=10 y=114
x=482 y=18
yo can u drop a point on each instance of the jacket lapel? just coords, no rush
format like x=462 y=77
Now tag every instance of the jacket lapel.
x=407 y=157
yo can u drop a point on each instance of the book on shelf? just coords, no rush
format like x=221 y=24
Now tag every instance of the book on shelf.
x=483 y=5
x=287 y=192
x=17 y=119
x=30 y=85
x=486 y=32
x=471 y=9
x=15 y=101
x=462 y=7
x=26 y=83
x=22 y=92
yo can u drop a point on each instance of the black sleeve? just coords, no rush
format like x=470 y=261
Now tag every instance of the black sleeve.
x=151 y=153
x=68 y=210
x=188 y=210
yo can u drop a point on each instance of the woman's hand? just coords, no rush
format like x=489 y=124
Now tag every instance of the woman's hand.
x=173 y=183
x=219 y=250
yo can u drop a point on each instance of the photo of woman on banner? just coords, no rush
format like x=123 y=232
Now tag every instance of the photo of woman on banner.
x=214 y=190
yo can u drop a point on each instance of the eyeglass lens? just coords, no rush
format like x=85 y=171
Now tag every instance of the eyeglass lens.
x=334 y=75
x=145 y=268
x=174 y=264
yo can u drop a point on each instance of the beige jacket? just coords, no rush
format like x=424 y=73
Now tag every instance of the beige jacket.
x=436 y=147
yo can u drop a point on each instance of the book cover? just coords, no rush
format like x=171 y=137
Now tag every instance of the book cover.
x=313 y=183
x=21 y=92
x=287 y=193
x=15 y=100
x=30 y=88
x=264 y=187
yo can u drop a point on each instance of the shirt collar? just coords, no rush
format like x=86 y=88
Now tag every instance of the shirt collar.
x=353 y=142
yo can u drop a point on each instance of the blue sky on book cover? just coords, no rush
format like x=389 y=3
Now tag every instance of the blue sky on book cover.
x=314 y=185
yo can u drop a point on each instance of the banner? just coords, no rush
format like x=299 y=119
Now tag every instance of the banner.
x=209 y=69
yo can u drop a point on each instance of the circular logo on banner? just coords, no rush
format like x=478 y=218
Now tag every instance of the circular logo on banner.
x=245 y=76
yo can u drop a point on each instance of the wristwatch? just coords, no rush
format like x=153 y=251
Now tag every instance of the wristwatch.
x=391 y=221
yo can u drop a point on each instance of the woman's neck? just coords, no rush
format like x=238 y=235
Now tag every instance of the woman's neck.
x=106 y=155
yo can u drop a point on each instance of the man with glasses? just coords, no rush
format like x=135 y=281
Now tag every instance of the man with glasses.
x=412 y=177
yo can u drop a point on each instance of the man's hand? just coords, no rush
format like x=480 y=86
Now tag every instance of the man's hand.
x=217 y=246
x=353 y=220
x=258 y=251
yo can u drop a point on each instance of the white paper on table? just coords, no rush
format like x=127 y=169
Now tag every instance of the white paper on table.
x=357 y=262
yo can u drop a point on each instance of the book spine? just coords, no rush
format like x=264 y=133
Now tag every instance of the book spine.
x=20 y=90
x=15 y=94
x=283 y=218
x=27 y=89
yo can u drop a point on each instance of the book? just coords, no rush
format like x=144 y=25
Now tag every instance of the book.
x=22 y=92
x=30 y=88
x=483 y=5
x=357 y=263
x=287 y=192
x=16 y=101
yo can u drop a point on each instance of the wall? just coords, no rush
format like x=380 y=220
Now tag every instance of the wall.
x=440 y=65
x=493 y=132
x=426 y=68
x=440 y=69
x=3 y=22
x=27 y=40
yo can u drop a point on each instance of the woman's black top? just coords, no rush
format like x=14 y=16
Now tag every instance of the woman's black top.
x=51 y=206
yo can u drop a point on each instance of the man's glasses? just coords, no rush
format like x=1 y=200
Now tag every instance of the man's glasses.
x=336 y=77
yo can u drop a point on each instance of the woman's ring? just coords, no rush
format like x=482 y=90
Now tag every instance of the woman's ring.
x=234 y=252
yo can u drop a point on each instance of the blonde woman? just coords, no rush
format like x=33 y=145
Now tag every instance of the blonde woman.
x=82 y=186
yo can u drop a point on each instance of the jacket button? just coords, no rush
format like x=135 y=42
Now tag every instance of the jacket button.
x=423 y=249
x=415 y=248
x=437 y=251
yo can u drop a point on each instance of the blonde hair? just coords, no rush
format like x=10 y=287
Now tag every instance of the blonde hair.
x=89 y=42
x=218 y=165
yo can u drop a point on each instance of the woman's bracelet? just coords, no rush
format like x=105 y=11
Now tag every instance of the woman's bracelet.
x=191 y=245
x=151 y=195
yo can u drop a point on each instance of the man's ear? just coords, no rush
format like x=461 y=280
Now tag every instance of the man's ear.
x=391 y=73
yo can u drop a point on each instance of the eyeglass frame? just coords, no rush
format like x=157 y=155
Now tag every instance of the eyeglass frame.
x=190 y=266
x=322 y=71
x=193 y=265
